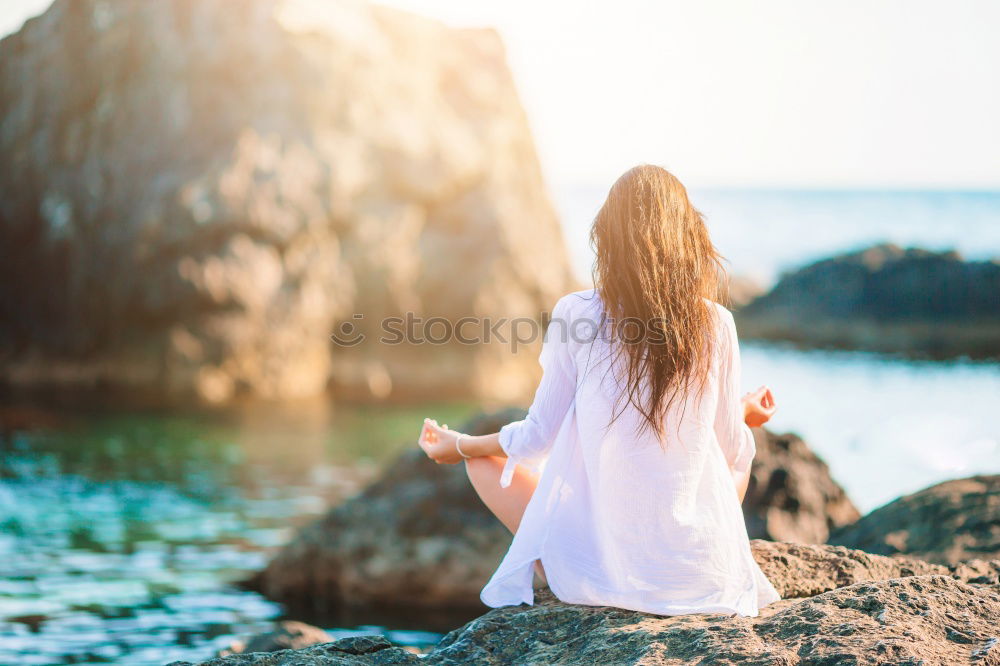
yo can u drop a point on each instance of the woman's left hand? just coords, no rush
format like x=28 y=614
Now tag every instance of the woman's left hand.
x=438 y=442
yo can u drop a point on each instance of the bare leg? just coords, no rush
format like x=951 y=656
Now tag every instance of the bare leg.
x=507 y=504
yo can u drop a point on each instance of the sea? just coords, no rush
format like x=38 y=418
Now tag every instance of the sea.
x=125 y=532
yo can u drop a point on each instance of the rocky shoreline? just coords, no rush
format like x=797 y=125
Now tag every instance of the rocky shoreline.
x=927 y=591
x=840 y=606
x=886 y=299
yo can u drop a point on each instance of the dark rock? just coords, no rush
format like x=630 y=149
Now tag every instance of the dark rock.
x=946 y=523
x=791 y=496
x=194 y=199
x=885 y=299
x=356 y=651
x=419 y=537
x=286 y=635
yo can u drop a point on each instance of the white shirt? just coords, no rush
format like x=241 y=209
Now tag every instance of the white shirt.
x=617 y=519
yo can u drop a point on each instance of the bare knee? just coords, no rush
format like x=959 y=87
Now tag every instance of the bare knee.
x=483 y=469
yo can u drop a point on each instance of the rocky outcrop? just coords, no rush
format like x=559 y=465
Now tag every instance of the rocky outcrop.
x=805 y=570
x=947 y=523
x=194 y=199
x=791 y=496
x=885 y=299
x=419 y=537
x=926 y=619
x=890 y=614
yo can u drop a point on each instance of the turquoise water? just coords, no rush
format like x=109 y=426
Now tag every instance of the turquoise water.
x=125 y=533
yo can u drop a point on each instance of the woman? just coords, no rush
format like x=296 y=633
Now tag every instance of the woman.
x=640 y=426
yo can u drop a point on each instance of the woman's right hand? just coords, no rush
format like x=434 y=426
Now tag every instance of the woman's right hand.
x=438 y=442
x=758 y=407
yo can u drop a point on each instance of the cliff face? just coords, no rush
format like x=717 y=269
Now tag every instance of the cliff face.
x=194 y=198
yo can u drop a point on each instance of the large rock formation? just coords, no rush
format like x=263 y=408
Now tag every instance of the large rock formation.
x=420 y=537
x=947 y=523
x=791 y=496
x=194 y=198
x=852 y=608
x=885 y=299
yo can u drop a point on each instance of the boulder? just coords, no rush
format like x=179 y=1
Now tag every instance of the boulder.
x=196 y=199
x=946 y=523
x=917 y=619
x=884 y=299
x=791 y=496
x=417 y=538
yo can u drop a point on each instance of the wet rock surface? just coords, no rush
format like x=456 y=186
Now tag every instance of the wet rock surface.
x=947 y=523
x=884 y=299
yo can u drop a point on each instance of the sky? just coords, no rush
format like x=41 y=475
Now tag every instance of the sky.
x=729 y=93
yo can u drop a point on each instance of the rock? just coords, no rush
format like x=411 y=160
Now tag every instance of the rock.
x=194 y=199
x=791 y=496
x=928 y=619
x=417 y=538
x=805 y=570
x=946 y=523
x=355 y=651
x=288 y=635
x=885 y=299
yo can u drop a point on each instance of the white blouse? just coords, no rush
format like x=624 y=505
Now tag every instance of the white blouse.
x=617 y=519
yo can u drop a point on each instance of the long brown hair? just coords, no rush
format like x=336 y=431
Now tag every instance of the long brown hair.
x=655 y=266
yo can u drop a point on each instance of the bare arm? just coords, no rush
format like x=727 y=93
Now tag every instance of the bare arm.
x=758 y=407
x=441 y=444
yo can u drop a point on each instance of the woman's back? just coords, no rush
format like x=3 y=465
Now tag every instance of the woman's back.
x=619 y=519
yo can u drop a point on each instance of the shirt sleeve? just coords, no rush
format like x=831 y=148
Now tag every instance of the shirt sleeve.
x=528 y=442
x=735 y=437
